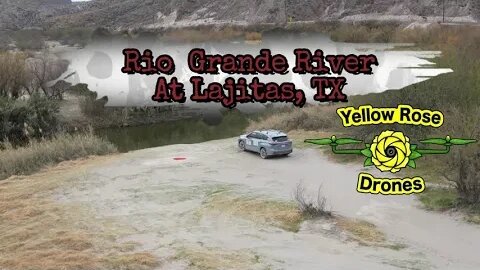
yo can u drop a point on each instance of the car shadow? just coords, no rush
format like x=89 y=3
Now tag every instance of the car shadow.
x=258 y=155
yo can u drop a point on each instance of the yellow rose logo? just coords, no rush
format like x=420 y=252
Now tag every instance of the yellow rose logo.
x=390 y=151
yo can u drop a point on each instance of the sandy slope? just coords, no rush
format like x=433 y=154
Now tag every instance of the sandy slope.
x=164 y=201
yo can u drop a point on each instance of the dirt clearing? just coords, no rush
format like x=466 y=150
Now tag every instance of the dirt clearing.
x=219 y=208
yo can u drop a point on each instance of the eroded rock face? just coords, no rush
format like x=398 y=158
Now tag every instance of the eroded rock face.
x=407 y=10
x=129 y=14
x=16 y=14
x=54 y=2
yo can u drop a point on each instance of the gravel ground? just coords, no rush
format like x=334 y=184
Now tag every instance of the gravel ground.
x=163 y=201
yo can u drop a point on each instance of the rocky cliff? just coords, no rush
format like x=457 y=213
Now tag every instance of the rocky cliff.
x=127 y=14
x=17 y=14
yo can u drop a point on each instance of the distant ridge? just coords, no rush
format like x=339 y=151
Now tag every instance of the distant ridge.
x=132 y=14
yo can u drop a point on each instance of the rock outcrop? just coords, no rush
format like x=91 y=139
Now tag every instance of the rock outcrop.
x=128 y=14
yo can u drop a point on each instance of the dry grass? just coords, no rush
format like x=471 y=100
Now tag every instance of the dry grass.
x=298 y=137
x=132 y=261
x=216 y=259
x=473 y=218
x=281 y=214
x=364 y=233
x=38 y=154
x=361 y=231
x=287 y=216
x=253 y=36
x=310 y=118
x=39 y=233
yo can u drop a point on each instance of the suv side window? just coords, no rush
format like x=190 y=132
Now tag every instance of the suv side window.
x=257 y=135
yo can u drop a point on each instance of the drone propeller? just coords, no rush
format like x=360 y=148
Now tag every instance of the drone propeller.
x=325 y=141
x=448 y=141
x=346 y=141
x=332 y=140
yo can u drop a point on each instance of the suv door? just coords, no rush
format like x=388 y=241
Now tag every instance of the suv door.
x=256 y=139
x=263 y=141
x=249 y=142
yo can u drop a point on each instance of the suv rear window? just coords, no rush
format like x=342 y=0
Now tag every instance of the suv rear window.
x=280 y=139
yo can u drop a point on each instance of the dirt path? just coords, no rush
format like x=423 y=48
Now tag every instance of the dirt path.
x=205 y=212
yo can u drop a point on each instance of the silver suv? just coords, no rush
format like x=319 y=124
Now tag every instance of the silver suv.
x=266 y=142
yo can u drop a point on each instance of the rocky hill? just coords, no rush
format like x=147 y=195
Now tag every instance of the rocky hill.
x=128 y=14
x=17 y=14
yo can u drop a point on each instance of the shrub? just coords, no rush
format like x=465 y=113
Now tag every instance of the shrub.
x=253 y=36
x=22 y=120
x=309 y=206
x=88 y=102
x=439 y=198
x=93 y=107
x=464 y=172
x=201 y=34
x=40 y=153
x=309 y=118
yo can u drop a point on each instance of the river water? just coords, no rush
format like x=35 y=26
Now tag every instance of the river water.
x=184 y=131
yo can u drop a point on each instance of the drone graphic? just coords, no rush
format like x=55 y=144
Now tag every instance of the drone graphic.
x=391 y=151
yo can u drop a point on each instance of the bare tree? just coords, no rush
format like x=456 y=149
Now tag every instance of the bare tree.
x=37 y=71
x=41 y=70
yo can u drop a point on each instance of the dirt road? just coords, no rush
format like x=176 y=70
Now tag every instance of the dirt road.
x=205 y=212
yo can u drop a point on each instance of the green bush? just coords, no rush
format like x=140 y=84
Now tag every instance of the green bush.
x=464 y=172
x=439 y=199
x=93 y=107
x=22 y=120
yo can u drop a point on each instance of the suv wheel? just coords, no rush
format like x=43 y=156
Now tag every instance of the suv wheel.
x=241 y=145
x=263 y=153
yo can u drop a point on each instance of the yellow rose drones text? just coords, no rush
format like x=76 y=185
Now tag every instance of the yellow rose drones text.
x=389 y=186
x=403 y=114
